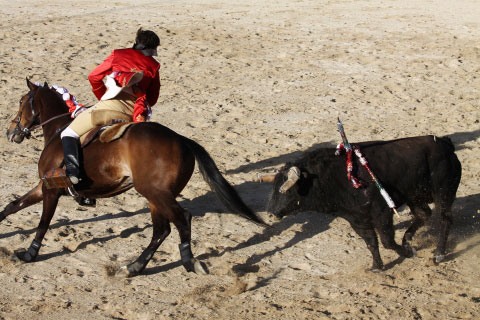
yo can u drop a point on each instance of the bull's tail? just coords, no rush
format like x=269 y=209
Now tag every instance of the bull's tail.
x=225 y=192
x=447 y=141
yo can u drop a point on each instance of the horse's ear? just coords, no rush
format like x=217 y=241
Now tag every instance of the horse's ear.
x=45 y=84
x=30 y=85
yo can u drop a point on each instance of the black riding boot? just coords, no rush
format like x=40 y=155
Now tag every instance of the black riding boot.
x=70 y=156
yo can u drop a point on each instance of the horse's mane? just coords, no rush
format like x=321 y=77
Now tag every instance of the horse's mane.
x=58 y=95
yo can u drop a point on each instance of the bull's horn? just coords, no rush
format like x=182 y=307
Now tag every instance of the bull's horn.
x=292 y=177
x=264 y=177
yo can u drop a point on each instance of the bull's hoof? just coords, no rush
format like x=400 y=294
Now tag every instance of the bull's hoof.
x=23 y=255
x=438 y=258
x=375 y=270
x=410 y=252
x=414 y=252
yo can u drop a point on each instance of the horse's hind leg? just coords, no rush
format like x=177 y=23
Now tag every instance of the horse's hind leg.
x=161 y=229
x=182 y=222
x=50 y=201
x=30 y=198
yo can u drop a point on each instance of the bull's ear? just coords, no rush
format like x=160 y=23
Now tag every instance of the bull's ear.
x=30 y=85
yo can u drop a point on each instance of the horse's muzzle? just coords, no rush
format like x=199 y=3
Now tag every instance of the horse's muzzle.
x=17 y=135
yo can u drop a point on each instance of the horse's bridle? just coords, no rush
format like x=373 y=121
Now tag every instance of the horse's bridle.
x=26 y=130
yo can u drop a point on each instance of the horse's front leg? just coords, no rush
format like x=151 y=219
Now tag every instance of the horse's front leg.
x=30 y=198
x=50 y=201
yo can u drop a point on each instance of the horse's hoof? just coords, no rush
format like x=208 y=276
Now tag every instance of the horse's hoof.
x=200 y=267
x=375 y=270
x=438 y=258
x=22 y=255
x=123 y=273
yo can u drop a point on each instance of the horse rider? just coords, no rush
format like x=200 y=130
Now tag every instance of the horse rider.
x=132 y=86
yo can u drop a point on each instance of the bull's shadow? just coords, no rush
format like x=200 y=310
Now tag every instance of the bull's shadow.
x=278 y=160
x=460 y=138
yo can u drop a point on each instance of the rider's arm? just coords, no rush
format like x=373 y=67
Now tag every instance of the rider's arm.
x=96 y=76
x=153 y=90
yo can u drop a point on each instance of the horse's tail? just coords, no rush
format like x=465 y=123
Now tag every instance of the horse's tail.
x=225 y=192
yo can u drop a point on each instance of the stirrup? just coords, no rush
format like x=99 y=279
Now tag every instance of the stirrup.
x=71 y=190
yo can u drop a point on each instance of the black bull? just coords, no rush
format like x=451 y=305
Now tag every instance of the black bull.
x=414 y=171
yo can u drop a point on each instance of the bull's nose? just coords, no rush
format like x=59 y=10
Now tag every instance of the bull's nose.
x=269 y=217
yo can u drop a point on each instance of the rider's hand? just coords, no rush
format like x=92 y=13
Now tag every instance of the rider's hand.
x=140 y=118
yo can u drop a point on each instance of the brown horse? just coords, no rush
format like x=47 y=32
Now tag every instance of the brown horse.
x=151 y=158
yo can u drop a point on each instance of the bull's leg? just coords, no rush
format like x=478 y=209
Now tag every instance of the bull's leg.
x=50 y=201
x=384 y=226
x=445 y=224
x=421 y=214
x=161 y=229
x=445 y=183
x=30 y=198
x=370 y=237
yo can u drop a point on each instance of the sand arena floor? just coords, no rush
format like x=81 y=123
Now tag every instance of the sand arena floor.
x=255 y=83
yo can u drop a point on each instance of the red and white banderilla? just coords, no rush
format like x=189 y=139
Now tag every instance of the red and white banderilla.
x=363 y=161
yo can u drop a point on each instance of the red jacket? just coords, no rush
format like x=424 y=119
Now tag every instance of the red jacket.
x=129 y=60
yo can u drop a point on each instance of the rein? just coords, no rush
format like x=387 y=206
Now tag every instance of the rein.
x=49 y=120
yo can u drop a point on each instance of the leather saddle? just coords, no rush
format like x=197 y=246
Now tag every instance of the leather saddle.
x=109 y=126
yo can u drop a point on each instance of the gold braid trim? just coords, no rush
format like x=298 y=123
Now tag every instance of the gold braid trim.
x=96 y=89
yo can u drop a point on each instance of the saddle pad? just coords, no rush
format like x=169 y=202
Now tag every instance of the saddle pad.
x=114 y=132
x=56 y=179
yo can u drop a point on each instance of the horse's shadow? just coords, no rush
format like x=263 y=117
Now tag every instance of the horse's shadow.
x=65 y=222
x=312 y=224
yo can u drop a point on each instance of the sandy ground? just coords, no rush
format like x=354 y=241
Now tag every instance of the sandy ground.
x=255 y=83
